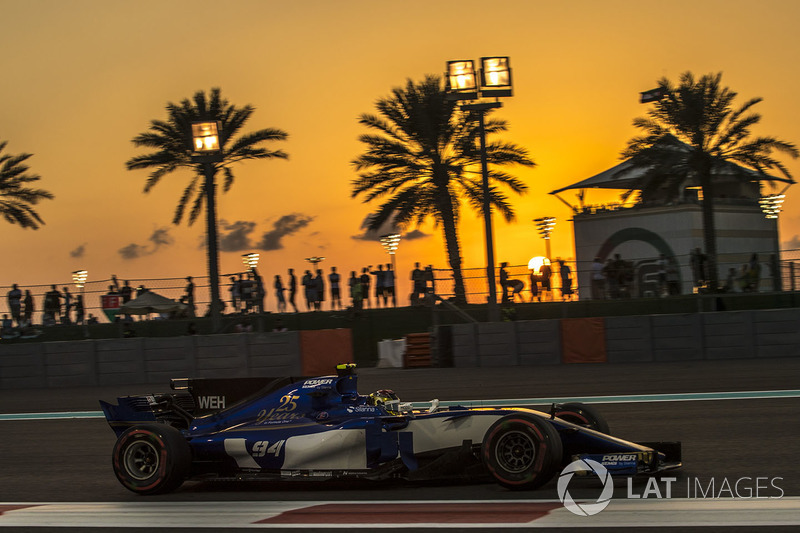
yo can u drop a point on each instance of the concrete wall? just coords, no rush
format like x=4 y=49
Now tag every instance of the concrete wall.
x=533 y=342
x=641 y=234
x=684 y=337
x=149 y=360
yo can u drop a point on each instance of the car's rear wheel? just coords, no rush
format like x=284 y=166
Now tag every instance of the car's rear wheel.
x=152 y=459
x=583 y=415
x=522 y=452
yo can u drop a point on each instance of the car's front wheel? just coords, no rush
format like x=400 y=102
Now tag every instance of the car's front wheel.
x=522 y=452
x=583 y=415
x=151 y=459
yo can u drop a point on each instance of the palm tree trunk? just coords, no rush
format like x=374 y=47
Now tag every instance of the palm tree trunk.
x=709 y=229
x=212 y=242
x=453 y=250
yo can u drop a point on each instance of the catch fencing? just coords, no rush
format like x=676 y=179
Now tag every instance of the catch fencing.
x=780 y=275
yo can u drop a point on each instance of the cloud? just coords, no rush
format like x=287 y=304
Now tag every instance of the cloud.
x=385 y=229
x=159 y=238
x=415 y=234
x=283 y=227
x=78 y=252
x=236 y=237
x=132 y=251
x=791 y=244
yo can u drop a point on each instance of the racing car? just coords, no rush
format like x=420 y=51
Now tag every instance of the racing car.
x=322 y=428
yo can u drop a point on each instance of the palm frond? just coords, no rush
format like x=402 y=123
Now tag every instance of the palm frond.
x=170 y=142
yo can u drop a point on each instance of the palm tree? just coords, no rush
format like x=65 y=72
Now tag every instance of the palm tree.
x=171 y=141
x=694 y=132
x=425 y=159
x=16 y=199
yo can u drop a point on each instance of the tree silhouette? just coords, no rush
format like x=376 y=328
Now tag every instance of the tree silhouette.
x=171 y=142
x=694 y=131
x=425 y=160
x=16 y=198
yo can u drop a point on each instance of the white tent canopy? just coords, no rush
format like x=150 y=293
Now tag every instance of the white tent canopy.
x=151 y=302
x=626 y=176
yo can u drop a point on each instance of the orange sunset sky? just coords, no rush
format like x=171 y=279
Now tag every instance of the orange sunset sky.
x=83 y=77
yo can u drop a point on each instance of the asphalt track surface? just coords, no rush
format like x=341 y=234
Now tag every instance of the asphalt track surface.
x=69 y=460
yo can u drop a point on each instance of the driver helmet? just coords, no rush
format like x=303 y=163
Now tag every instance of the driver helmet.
x=387 y=399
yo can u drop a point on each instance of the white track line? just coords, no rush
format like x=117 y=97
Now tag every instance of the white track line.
x=468 y=514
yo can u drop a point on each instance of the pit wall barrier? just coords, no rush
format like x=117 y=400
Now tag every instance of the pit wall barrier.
x=158 y=359
x=651 y=338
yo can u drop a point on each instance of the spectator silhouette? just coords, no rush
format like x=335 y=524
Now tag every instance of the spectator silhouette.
x=389 y=289
x=236 y=294
x=336 y=298
x=309 y=289
x=365 y=281
x=292 y=288
x=29 y=307
x=8 y=331
x=418 y=284
x=15 y=303
x=247 y=287
x=126 y=291
x=259 y=293
x=355 y=290
x=279 y=290
x=65 y=319
x=534 y=279
x=566 y=280
x=319 y=290
x=504 y=282
x=188 y=296
x=516 y=286
x=52 y=306
x=430 y=281
x=79 y=309
x=380 y=285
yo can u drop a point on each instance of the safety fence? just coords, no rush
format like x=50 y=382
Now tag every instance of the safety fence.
x=775 y=275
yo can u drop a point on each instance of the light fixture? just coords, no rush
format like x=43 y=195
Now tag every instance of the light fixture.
x=390 y=242
x=495 y=76
x=771 y=205
x=79 y=278
x=205 y=136
x=462 y=83
x=545 y=226
x=250 y=260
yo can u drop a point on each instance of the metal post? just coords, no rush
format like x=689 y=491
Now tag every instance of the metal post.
x=212 y=246
x=492 y=307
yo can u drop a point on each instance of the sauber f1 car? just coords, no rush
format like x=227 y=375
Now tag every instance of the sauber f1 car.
x=322 y=428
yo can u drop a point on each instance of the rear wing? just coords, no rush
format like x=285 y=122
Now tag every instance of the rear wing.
x=211 y=395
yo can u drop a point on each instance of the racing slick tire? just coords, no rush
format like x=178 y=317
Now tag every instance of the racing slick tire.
x=522 y=452
x=152 y=459
x=583 y=415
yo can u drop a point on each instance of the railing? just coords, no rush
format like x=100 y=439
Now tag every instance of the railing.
x=779 y=275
